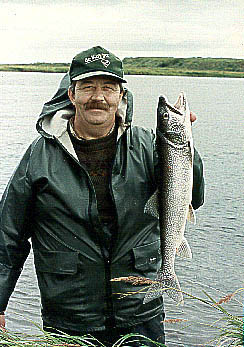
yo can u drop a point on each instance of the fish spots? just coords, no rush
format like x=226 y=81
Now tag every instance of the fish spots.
x=171 y=202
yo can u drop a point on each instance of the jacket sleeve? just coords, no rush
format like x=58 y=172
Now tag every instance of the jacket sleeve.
x=15 y=228
x=198 y=181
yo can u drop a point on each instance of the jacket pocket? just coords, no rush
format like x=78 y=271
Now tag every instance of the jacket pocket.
x=147 y=257
x=65 y=263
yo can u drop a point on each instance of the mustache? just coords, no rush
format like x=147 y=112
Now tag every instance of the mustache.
x=96 y=105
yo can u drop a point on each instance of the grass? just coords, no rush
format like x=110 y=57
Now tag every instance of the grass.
x=165 y=66
x=229 y=334
x=64 y=340
x=229 y=327
x=198 y=67
x=178 y=72
x=37 y=67
x=232 y=332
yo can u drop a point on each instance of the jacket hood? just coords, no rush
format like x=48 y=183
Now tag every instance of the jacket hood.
x=53 y=119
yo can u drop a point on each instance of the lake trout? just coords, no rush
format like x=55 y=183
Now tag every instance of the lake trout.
x=171 y=203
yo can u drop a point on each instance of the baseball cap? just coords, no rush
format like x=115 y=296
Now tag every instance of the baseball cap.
x=96 y=61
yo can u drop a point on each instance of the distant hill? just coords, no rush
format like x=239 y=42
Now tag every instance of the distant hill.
x=165 y=66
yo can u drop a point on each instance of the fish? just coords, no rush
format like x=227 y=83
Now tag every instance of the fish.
x=171 y=203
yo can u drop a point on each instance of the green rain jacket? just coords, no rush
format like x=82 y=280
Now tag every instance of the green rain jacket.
x=50 y=199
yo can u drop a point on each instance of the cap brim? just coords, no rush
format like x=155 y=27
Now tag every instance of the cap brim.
x=98 y=73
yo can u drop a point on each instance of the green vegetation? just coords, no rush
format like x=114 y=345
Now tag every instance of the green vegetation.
x=64 y=340
x=230 y=327
x=36 y=67
x=197 y=67
x=228 y=334
x=232 y=334
x=165 y=66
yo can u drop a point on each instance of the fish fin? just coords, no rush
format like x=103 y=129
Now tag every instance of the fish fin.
x=152 y=206
x=178 y=102
x=191 y=217
x=164 y=284
x=184 y=249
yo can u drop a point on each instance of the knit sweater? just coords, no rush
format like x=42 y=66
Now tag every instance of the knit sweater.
x=97 y=157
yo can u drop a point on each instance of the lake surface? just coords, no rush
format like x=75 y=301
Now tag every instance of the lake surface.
x=217 y=240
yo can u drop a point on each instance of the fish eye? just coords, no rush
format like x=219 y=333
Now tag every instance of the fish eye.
x=165 y=115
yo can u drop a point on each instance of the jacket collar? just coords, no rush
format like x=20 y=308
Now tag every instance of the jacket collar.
x=52 y=122
x=55 y=125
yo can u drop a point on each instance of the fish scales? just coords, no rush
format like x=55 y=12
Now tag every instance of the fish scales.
x=171 y=203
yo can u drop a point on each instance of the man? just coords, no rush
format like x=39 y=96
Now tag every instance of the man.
x=79 y=193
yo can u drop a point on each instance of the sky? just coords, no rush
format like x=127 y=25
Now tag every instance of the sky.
x=56 y=30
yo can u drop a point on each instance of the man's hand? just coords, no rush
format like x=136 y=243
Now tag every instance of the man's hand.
x=2 y=322
x=193 y=117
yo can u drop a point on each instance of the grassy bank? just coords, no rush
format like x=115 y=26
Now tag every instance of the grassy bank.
x=36 y=67
x=197 y=67
x=166 y=66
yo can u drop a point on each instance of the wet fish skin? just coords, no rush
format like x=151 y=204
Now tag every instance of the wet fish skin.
x=172 y=201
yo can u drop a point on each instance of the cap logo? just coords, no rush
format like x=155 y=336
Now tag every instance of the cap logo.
x=102 y=57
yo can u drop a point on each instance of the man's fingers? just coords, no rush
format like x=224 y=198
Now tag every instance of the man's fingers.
x=193 y=116
x=2 y=323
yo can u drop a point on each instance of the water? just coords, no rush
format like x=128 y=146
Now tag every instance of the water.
x=217 y=238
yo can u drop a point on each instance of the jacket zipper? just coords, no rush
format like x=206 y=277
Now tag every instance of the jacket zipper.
x=109 y=312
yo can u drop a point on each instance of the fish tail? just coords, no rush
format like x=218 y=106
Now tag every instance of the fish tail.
x=162 y=284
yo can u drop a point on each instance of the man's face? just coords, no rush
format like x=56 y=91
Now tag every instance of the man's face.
x=96 y=100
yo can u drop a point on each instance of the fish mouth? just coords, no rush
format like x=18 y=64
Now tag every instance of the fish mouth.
x=164 y=102
x=174 y=109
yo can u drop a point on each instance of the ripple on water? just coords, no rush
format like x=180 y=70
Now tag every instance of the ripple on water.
x=217 y=238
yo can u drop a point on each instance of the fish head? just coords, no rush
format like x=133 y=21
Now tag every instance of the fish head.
x=173 y=122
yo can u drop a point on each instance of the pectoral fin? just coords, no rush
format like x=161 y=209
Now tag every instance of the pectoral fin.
x=152 y=206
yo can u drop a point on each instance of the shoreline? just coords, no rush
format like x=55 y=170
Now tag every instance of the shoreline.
x=166 y=66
